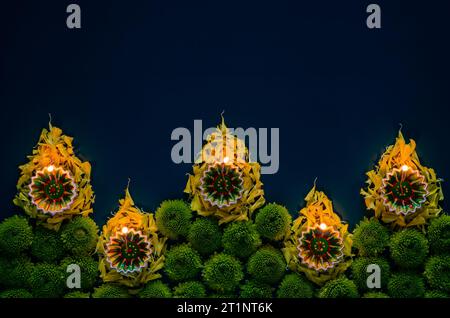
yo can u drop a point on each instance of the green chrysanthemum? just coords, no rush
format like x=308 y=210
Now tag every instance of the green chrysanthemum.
x=173 y=218
x=47 y=245
x=406 y=285
x=110 y=291
x=88 y=270
x=205 y=236
x=295 y=286
x=47 y=281
x=155 y=289
x=437 y=272
x=375 y=295
x=273 y=221
x=182 y=263
x=222 y=273
x=409 y=248
x=191 y=289
x=240 y=239
x=16 y=235
x=254 y=289
x=439 y=235
x=267 y=265
x=15 y=272
x=341 y=287
x=436 y=294
x=370 y=237
x=360 y=274
x=16 y=293
x=77 y=294
x=80 y=236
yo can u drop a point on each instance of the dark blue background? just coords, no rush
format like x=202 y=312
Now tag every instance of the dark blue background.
x=135 y=71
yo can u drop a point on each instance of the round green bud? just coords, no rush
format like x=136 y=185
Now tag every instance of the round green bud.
x=88 y=270
x=409 y=248
x=222 y=273
x=341 y=287
x=15 y=271
x=182 y=263
x=110 y=291
x=155 y=289
x=205 y=236
x=173 y=218
x=16 y=293
x=240 y=239
x=254 y=289
x=375 y=295
x=360 y=274
x=80 y=236
x=295 y=286
x=370 y=237
x=437 y=272
x=77 y=294
x=191 y=289
x=16 y=235
x=267 y=265
x=273 y=221
x=406 y=285
x=47 y=281
x=47 y=245
x=436 y=294
x=439 y=234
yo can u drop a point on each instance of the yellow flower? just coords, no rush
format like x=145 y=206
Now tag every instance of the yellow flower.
x=130 y=217
x=318 y=213
x=397 y=157
x=238 y=192
x=55 y=149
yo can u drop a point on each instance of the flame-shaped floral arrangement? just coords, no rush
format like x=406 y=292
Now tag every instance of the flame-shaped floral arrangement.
x=319 y=244
x=55 y=184
x=130 y=247
x=400 y=190
x=224 y=182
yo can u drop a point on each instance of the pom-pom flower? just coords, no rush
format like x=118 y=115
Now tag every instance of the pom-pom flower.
x=273 y=222
x=191 y=289
x=406 y=285
x=267 y=265
x=295 y=286
x=80 y=236
x=341 y=287
x=52 y=190
x=130 y=246
x=222 y=273
x=225 y=184
x=182 y=263
x=370 y=237
x=400 y=190
x=319 y=244
x=110 y=291
x=437 y=272
x=16 y=235
x=155 y=289
x=240 y=239
x=47 y=245
x=254 y=289
x=55 y=184
x=409 y=248
x=439 y=234
x=173 y=218
x=205 y=236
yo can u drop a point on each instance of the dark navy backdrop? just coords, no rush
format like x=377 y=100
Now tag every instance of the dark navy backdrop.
x=135 y=71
